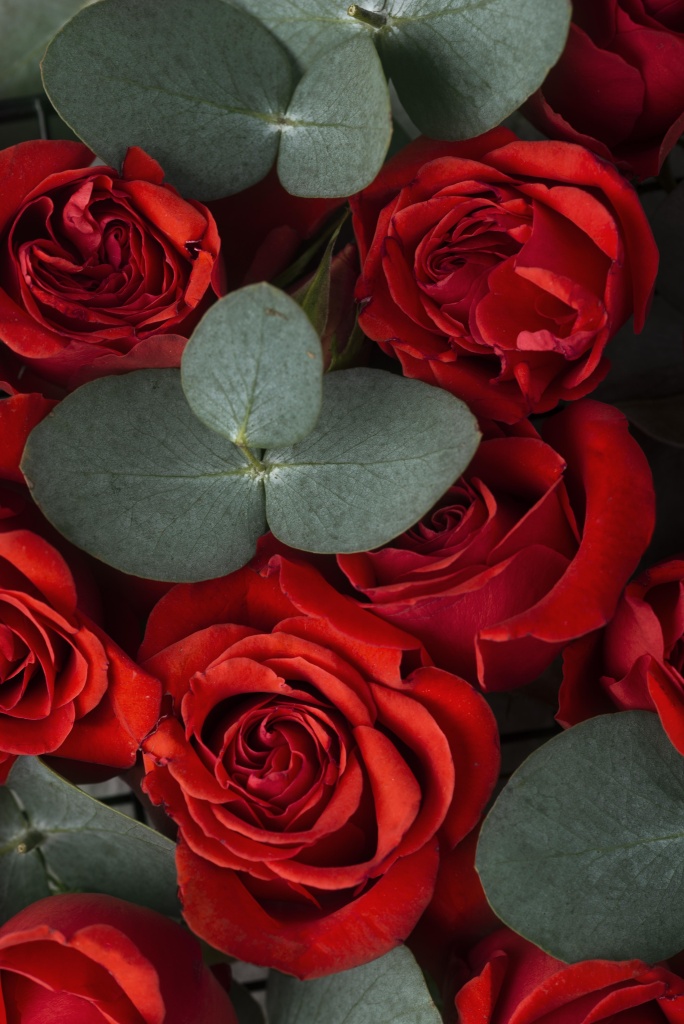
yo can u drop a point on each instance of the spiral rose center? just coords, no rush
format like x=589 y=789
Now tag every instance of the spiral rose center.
x=276 y=758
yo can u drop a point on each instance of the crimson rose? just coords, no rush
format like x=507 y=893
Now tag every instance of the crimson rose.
x=315 y=764
x=528 y=550
x=499 y=269
x=92 y=959
x=65 y=687
x=637 y=661
x=94 y=265
x=516 y=983
x=618 y=87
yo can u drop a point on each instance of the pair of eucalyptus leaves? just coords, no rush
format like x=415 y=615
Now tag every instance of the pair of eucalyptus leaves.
x=217 y=92
x=174 y=475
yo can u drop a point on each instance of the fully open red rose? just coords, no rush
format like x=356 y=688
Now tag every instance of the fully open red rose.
x=314 y=763
x=95 y=265
x=637 y=661
x=65 y=687
x=92 y=959
x=618 y=87
x=516 y=983
x=528 y=550
x=499 y=269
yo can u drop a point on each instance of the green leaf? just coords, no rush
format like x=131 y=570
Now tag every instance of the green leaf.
x=661 y=418
x=252 y=370
x=122 y=73
x=24 y=35
x=22 y=870
x=314 y=296
x=390 y=990
x=338 y=125
x=200 y=86
x=583 y=852
x=79 y=844
x=384 y=450
x=124 y=469
x=459 y=66
x=245 y=1005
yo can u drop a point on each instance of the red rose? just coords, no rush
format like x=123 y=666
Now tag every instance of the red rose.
x=527 y=551
x=65 y=687
x=310 y=764
x=637 y=661
x=499 y=269
x=516 y=983
x=98 y=269
x=89 y=958
x=618 y=87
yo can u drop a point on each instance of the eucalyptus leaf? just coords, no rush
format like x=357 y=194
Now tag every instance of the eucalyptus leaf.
x=583 y=851
x=81 y=845
x=252 y=370
x=390 y=990
x=24 y=34
x=661 y=418
x=384 y=450
x=459 y=66
x=124 y=469
x=338 y=125
x=247 y=1010
x=200 y=86
x=23 y=879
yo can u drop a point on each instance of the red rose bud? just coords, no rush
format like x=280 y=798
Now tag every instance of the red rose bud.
x=516 y=983
x=94 y=959
x=315 y=764
x=499 y=269
x=637 y=661
x=100 y=272
x=527 y=551
x=618 y=87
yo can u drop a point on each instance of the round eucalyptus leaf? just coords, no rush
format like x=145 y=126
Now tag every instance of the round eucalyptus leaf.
x=23 y=38
x=384 y=450
x=22 y=869
x=461 y=66
x=338 y=125
x=390 y=990
x=201 y=86
x=583 y=852
x=83 y=845
x=124 y=470
x=309 y=28
x=253 y=368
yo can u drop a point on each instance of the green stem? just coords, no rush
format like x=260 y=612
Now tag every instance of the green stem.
x=373 y=18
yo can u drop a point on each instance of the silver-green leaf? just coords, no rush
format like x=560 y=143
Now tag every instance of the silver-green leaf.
x=583 y=852
x=253 y=368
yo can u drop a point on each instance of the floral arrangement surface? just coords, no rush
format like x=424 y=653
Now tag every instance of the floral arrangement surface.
x=341 y=543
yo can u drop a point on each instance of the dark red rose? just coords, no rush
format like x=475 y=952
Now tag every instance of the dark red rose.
x=499 y=269
x=527 y=551
x=315 y=764
x=516 y=983
x=618 y=87
x=637 y=661
x=100 y=272
x=93 y=959
x=65 y=687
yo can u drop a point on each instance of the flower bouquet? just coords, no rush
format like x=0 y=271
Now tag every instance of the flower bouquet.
x=341 y=366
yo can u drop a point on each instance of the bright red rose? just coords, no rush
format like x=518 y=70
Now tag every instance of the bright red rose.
x=527 y=551
x=618 y=87
x=499 y=269
x=637 y=661
x=516 y=983
x=93 y=959
x=98 y=269
x=315 y=764
x=65 y=687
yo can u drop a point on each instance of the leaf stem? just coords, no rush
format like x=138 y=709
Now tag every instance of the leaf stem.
x=376 y=19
